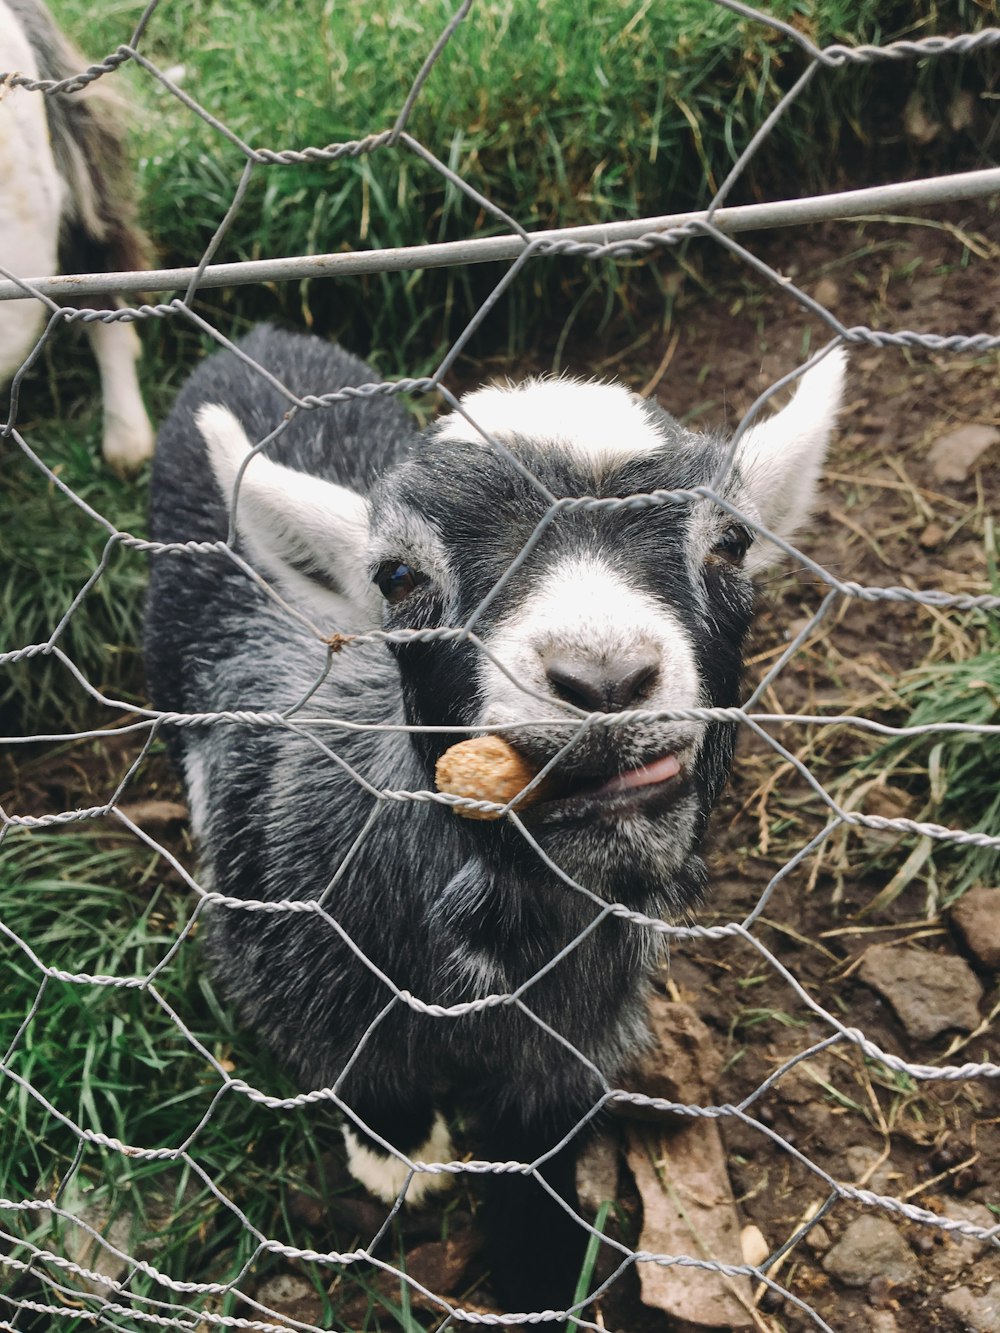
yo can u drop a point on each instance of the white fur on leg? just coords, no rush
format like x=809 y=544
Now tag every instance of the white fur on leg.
x=128 y=436
x=384 y=1177
x=32 y=191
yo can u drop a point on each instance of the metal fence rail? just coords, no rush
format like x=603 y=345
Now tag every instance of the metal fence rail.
x=69 y=1290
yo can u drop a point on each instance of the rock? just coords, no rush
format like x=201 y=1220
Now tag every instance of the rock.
x=81 y=1248
x=977 y=916
x=930 y=993
x=860 y=1159
x=962 y=111
x=441 y=1265
x=683 y=1064
x=305 y=1208
x=597 y=1173
x=826 y=292
x=290 y=1297
x=979 y=1314
x=932 y=536
x=958 y=1252
x=132 y=1223
x=818 y=1239
x=918 y=126
x=954 y=456
x=753 y=1246
x=882 y=1321
x=880 y=1290
x=871 y=1247
x=687 y=1208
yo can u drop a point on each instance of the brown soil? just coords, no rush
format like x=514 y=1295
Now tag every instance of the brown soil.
x=885 y=519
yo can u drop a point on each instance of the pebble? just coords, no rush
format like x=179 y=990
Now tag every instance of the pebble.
x=291 y=1297
x=977 y=916
x=979 y=1314
x=957 y=1251
x=929 y=992
x=870 y=1248
x=954 y=456
x=932 y=536
x=826 y=292
x=753 y=1246
x=860 y=1158
x=882 y=1321
x=818 y=1239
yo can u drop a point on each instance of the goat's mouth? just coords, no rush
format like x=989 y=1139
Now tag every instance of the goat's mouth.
x=647 y=788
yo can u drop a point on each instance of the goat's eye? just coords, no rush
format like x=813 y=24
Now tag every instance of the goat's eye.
x=733 y=545
x=396 y=580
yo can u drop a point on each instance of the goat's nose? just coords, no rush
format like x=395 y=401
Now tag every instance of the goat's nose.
x=602 y=687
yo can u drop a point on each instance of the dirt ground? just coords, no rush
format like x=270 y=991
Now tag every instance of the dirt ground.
x=887 y=518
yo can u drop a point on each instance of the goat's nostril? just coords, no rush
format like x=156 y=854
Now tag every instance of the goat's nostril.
x=602 y=687
x=639 y=683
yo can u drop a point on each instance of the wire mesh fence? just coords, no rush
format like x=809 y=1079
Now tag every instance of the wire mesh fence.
x=82 y=1248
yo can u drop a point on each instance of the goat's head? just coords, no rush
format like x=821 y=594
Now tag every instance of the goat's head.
x=636 y=613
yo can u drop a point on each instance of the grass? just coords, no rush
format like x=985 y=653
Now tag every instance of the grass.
x=949 y=779
x=557 y=113
x=585 y=115
x=113 y=1061
x=956 y=778
x=48 y=551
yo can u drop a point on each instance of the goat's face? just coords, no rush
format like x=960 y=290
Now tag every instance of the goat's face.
x=593 y=632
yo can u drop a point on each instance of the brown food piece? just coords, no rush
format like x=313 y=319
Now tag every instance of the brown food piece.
x=486 y=768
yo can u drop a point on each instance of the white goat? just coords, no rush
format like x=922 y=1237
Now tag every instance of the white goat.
x=66 y=206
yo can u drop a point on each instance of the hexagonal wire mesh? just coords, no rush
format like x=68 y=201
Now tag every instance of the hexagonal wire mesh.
x=71 y=1281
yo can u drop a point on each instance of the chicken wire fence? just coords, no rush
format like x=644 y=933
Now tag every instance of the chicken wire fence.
x=72 y=1267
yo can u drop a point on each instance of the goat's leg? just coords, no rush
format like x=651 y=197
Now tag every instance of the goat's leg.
x=128 y=435
x=537 y=1246
x=414 y=1129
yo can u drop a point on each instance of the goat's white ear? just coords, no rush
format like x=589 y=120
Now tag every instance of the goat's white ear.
x=307 y=535
x=780 y=460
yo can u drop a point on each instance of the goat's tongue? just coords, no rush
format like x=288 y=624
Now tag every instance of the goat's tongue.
x=660 y=770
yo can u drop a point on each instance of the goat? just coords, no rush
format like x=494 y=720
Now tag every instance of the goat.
x=66 y=206
x=357 y=520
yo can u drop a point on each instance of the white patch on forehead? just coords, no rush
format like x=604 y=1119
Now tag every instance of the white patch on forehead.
x=584 y=607
x=599 y=425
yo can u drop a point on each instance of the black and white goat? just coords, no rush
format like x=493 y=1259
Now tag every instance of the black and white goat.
x=66 y=206
x=359 y=521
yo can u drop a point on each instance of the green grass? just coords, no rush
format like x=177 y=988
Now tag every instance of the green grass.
x=50 y=547
x=957 y=777
x=950 y=779
x=112 y=1060
x=558 y=113
x=48 y=550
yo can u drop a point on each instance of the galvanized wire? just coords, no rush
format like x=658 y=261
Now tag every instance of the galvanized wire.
x=67 y=1288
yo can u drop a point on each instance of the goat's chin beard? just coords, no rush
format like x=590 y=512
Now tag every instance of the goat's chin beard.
x=636 y=856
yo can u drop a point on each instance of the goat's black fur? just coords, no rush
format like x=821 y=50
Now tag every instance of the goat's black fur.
x=448 y=909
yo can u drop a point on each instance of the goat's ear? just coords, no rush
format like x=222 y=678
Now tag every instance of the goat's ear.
x=307 y=535
x=780 y=460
